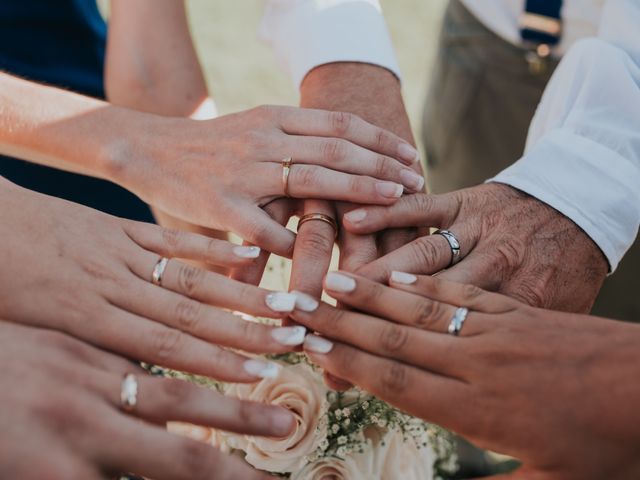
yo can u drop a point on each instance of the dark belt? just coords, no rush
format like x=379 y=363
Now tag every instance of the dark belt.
x=540 y=29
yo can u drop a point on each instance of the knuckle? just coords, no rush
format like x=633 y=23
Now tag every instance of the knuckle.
x=531 y=294
x=176 y=391
x=383 y=167
x=189 y=279
x=510 y=253
x=251 y=334
x=196 y=459
x=334 y=150
x=382 y=139
x=394 y=338
x=258 y=233
x=357 y=184
x=312 y=241
x=166 y=343
x=372 y=294
x=306 y=176
x=341 y=122
x=425 y=252
x=393 y=380
x=470 y=293
x=188 y=314
x=246 y=413
x=427 y=313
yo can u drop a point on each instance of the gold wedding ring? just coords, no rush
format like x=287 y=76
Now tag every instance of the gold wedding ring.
x=286 y=169
x=158 y=271
x=129 y=393
x=321 y=217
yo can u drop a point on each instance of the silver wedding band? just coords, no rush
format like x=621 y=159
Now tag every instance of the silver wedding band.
x=457 y=321
x=158 y=271
x=454 y=244
x=129 y=393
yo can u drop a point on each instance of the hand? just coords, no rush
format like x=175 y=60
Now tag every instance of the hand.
x=510 y=242
x=70 y=268
x=60 y=416
x=219 y=173
x=538 y=385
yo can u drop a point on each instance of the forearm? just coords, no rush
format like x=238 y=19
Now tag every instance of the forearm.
x=64 y=130
x=153 y=69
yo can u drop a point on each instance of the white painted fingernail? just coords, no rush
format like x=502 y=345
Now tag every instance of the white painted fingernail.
x=339 y=283
x=289 y=335
x=317 y=344
x=246 y=252
x=407 y=153
x=389 y=189
x=356 y=216
x=412 y=180
x=281 y=301
x=261 y=369
x=403 y=278
x=305 y=302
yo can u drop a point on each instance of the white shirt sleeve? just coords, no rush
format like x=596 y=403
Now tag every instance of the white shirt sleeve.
x=307 y=33
x=583 y=150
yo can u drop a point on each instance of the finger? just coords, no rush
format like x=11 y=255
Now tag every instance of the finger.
x=346 y=157
x=258 y=228
x=384 y=338
x=205 y=322
x=462 y=295
x=160 y=400
x=280 y=210
x=210 y=288
x=476 y=269
x=141 y=339
x=401 y=307
x=310 y=181
x=425 y=255
x=350 y=127
x=396 y=238
x=313 y=250
x=418 y=210
x=152 y=452
x=177 y=244
x=418 y=392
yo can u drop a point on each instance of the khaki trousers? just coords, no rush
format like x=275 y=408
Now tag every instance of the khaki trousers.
x=480 y=104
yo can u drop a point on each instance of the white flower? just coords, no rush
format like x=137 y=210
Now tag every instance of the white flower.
x=342 y=439
x=335 y=428
x=302 y=391
x=346 y=422
x=398 y=458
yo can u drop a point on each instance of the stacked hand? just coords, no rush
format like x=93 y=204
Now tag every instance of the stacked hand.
x=75 y=270
x=555 y=390
x=61 y=419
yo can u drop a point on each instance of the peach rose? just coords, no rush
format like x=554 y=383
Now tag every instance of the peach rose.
x=302 y=391
x=358 y=466
x=396 y=457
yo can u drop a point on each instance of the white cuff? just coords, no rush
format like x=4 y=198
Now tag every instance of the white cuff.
x=307 y=33
x=592 y=185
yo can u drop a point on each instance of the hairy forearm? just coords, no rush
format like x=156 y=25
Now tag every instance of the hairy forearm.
x=151 y=63
x=369 y=91
x=64 y=130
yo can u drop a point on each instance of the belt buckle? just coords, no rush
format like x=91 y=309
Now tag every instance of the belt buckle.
x=538 y=58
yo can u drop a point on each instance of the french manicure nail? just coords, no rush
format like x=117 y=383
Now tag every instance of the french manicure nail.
x=261 y=369
x=317 y=344
x=389 y=189
x=305 y=302
x=403 y=278
x=246 y=252
x=356 y=216
x=407 y=153
x=339 y=283
x=281 y=301
x=412 y=180
x=283 y=422
x=289 y=335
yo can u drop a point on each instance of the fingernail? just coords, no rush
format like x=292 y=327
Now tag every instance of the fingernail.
x=261 y=369
x=407 y=153
x=305 y=302
x=339 y=283
x=356 y=216
x=389 y=189
x=317 y=344
x=289 y=335
x=281 y=301
x=412 y=180
x=283 y=422
x=403 y=278
x=246 y=252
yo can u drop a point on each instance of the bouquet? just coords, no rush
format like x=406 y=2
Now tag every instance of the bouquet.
x=338 y=435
